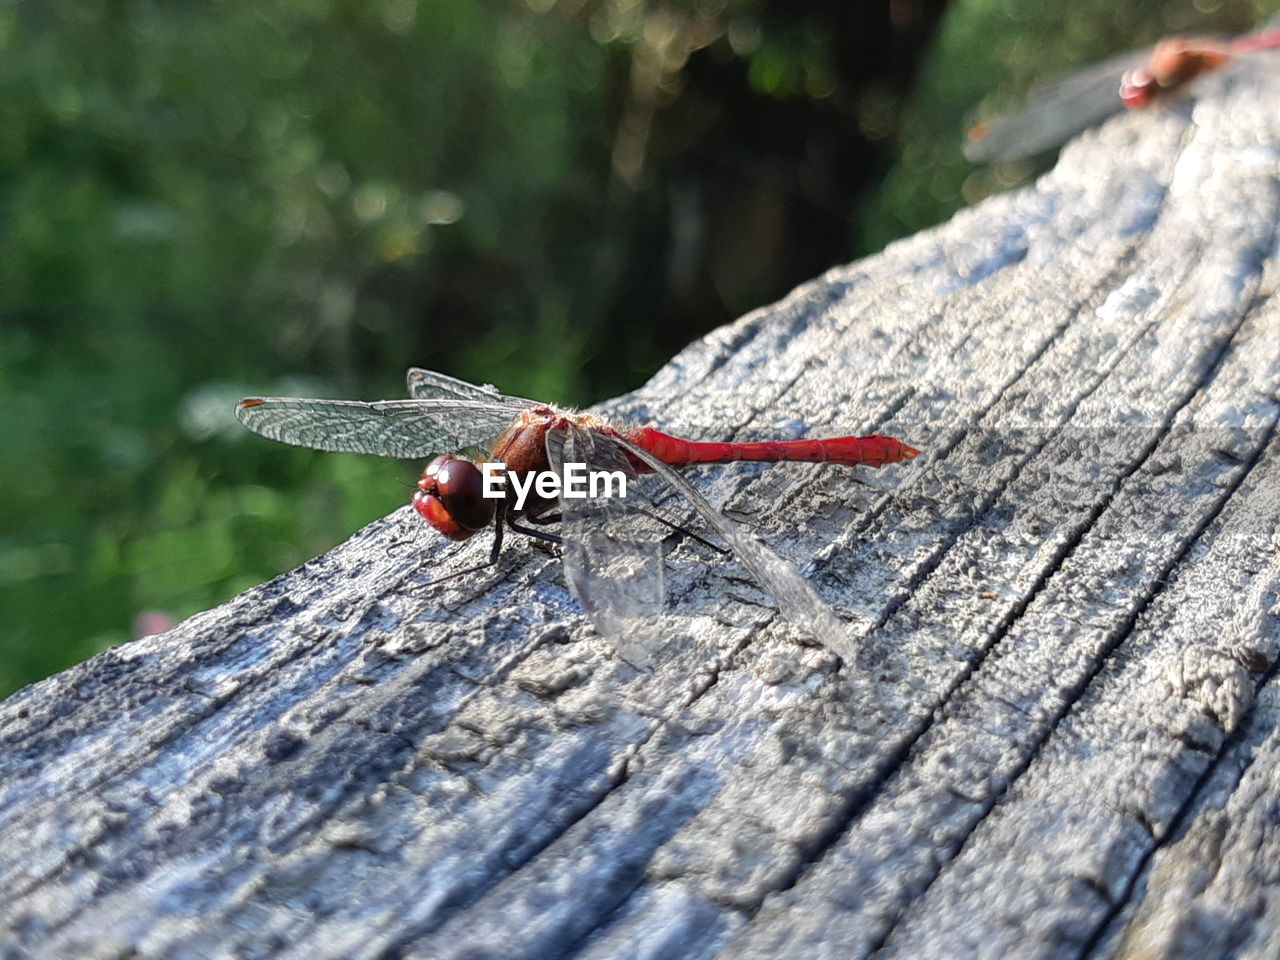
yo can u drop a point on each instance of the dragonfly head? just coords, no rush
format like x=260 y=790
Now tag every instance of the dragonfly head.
x=1174 y=61
x=1138 y=88
x=451 y=497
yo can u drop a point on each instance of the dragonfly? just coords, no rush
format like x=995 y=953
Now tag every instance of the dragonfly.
x=614 y=571
x=1055 y=113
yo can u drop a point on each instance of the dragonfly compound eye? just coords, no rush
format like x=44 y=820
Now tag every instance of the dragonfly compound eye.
x=1138 y=88
x=450 y=497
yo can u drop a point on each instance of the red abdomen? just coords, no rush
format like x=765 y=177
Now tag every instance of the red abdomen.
x=871 y=451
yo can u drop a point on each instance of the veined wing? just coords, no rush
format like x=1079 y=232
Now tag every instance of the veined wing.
x=612 y=554
x=410 y=429
x=1054 y=113
x=797 y=601
x=429 y=385
x=1058 y=111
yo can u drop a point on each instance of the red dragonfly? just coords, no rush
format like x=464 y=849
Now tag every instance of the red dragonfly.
x=1055 y=113
x=616 y=575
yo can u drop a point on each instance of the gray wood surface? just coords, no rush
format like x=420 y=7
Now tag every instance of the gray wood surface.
x=1059 y=739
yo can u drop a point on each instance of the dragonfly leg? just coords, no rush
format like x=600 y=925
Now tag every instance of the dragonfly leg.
x=536 y=534
x=499 y=514
x=684 y=531
x=494 y=553
x=545 y=518
x=672 y=525
x=556 y=518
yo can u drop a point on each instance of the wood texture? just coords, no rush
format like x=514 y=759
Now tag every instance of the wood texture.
x=1059 y=739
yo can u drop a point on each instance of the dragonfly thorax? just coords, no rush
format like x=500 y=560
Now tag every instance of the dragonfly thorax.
x=451 y=498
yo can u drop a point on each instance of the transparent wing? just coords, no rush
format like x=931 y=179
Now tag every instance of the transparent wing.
x=1059 y=110
x=795 y=596
x=1054 y=113
x=387 y=428
x=613 y=557
x=429 y=385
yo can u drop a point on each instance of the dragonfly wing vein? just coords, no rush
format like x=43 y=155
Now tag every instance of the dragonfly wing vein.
x=796 y=598
x=387 y=428
x=430 y=385
x=612 y=563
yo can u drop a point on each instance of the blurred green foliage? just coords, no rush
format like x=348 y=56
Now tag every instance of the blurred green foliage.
x=200 y=202
x=197 y=199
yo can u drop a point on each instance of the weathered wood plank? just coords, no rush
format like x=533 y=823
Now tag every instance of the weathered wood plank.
x=1058 y=739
